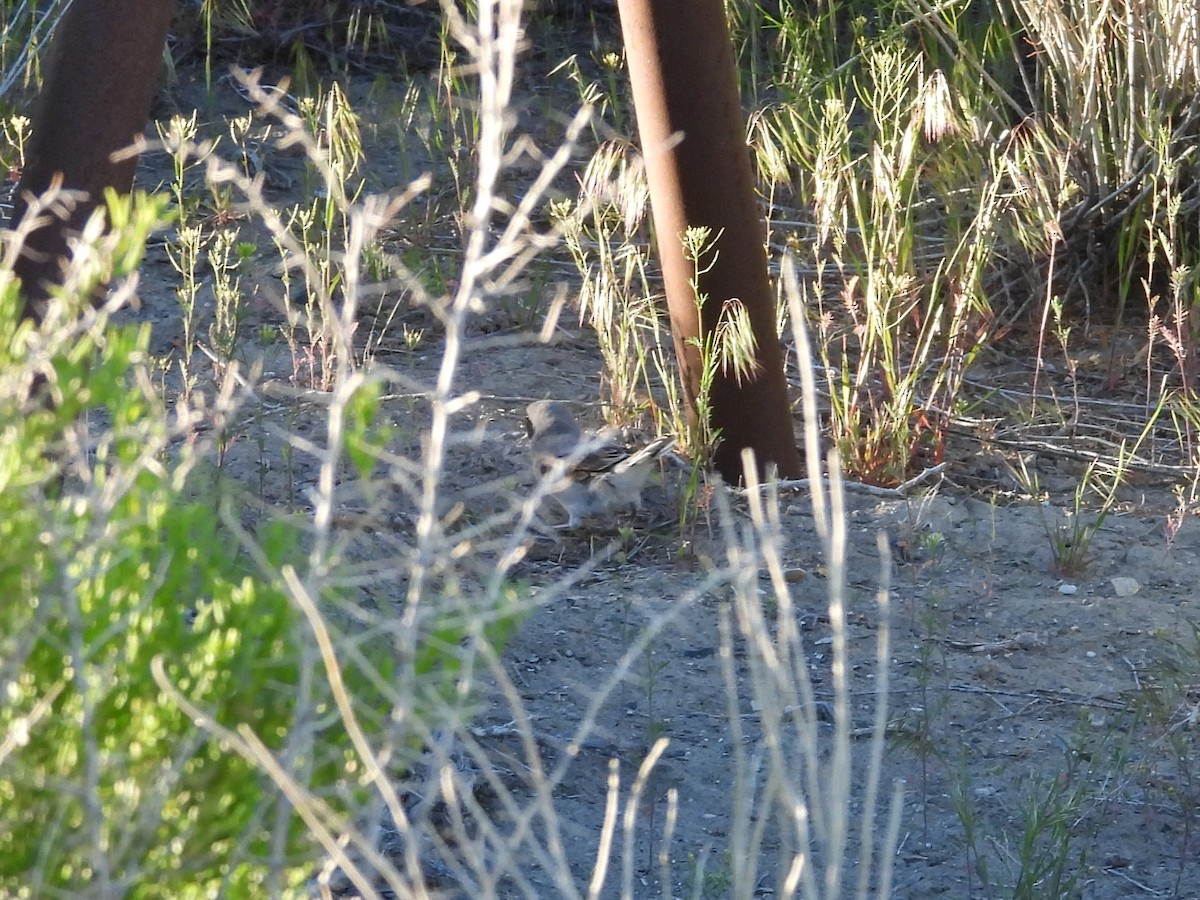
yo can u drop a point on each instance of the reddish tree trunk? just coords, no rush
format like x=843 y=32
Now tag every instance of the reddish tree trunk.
x=698 y=166
x=101 y=70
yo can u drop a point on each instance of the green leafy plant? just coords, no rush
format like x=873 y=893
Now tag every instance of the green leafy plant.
x=161 y=658
x=107 y=781
x=1071 y=530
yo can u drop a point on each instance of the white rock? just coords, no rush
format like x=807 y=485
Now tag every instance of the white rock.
x=1124 y=586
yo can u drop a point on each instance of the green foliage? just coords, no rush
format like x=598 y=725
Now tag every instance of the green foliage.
x=107 y=567
x=122 y=571
x=153 y=652
x=366 y=436
x=117 y=571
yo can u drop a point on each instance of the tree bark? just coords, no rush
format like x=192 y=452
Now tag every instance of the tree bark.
x=692 y=131
x=101 y=71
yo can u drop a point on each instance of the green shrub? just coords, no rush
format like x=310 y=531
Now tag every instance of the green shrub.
x=109 y=563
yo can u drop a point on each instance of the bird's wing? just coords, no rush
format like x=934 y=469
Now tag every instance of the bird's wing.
x=601 y=458
x=651 y=451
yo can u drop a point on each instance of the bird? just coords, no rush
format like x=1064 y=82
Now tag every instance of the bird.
x=593 y=474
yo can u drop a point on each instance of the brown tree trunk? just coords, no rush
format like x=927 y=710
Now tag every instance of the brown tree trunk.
x=692 y=131
x=101 y=70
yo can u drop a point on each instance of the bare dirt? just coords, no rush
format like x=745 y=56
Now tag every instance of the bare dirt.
x=1014 y=690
